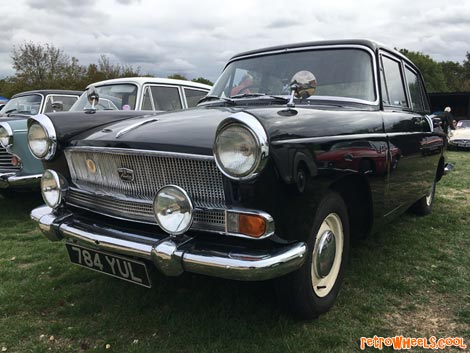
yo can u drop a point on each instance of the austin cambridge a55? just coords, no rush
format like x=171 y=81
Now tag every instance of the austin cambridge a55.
x=242 y=187
x=18 y=168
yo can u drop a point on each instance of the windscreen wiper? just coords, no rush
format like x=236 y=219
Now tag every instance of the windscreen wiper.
x=211 y=98
x=260 y=95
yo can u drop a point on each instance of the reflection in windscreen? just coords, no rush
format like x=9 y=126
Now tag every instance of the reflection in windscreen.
x=339 y=73
x=112 y=97
x=28 y=105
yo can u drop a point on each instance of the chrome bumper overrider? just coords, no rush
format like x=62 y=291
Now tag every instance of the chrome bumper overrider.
x=12 y=180
x=174 y=255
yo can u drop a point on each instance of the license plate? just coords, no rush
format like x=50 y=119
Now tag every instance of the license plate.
x=463 y=144
x=110 y=264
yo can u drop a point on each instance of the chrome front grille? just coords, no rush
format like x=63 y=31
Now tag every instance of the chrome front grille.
x=5 y=162
x=100 y=188
x=140 y=211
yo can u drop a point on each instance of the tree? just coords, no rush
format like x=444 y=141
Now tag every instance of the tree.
x=454 y=75
x=431 y=70
x=177 y=77
x=203 y=80
x=39 y=65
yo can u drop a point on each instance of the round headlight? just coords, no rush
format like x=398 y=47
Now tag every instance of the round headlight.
x=38 y=140
x=236 y=150
x=6 y=137
x=173 y=209
x=51 y=188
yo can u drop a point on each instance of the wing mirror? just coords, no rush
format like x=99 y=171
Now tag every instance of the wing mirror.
x=93 y=99
x=303 y=84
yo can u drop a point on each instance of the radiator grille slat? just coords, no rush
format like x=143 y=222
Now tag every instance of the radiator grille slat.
x=104 y=191
x=5 y=162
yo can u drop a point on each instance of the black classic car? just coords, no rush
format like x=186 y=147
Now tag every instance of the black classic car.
x=240 y=186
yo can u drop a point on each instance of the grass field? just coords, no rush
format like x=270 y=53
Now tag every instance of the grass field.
x=411 y=279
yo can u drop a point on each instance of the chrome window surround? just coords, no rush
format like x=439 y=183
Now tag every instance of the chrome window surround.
x=252 y=124
x=51 y=134
x=322 y=47
x=9 y=131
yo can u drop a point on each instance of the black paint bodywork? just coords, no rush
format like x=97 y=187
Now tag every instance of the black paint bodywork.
x=380 y=159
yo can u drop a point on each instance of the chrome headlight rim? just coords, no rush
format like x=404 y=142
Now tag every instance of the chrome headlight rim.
x=190 y=206
x=9 y=135
x=58 y=186
x=51 y=137
x=254 y=127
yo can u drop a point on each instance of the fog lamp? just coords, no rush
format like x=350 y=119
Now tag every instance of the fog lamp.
x=52 y=188
x=173 y=209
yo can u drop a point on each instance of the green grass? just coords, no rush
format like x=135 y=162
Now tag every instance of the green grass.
x=412 y=278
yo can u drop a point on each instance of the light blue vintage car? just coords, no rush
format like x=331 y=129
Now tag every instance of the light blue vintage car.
x=18 y=168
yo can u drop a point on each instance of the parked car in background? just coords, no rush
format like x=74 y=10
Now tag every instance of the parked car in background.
x=460 y=137
x=18 y=167
x=133 y=93
x=238 y=187
x=145 y=93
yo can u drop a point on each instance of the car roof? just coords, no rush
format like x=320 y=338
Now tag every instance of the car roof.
x=156 y=80
x=371 y=44
x=45 y=92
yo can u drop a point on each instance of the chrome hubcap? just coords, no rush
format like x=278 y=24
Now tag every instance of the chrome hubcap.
x=326 y=253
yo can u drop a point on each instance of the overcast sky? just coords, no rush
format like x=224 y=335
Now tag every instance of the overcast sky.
x=196 y=38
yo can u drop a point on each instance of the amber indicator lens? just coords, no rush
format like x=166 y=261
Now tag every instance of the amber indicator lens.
x=252 y=225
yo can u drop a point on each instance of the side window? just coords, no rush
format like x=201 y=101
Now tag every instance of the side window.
x=415 y=90
x=193 y=96
x=59 y=103
x=166 y=98
x=147 y=100
x=394 y=82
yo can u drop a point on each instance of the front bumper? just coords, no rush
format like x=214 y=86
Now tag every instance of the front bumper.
x=11 y=180
x=175 y=255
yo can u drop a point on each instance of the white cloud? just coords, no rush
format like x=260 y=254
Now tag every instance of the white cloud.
x=197 y=38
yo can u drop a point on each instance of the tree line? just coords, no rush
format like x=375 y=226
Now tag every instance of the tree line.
x=442 y=76
x=44 y=66
x=39 y=66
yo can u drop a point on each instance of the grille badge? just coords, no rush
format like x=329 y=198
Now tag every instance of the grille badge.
x=126 y=174
x=91 y=166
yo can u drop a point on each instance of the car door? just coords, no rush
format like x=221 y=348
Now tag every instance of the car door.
x=408 y=131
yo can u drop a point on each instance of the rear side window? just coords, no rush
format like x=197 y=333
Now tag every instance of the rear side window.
x=193 y=96
x=394 y=83
x=166 y=98
x=415 y=90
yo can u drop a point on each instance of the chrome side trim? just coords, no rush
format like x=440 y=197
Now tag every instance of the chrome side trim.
x=322 y=139
x=173 y=255
x=11 y=180
x=134 y=126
